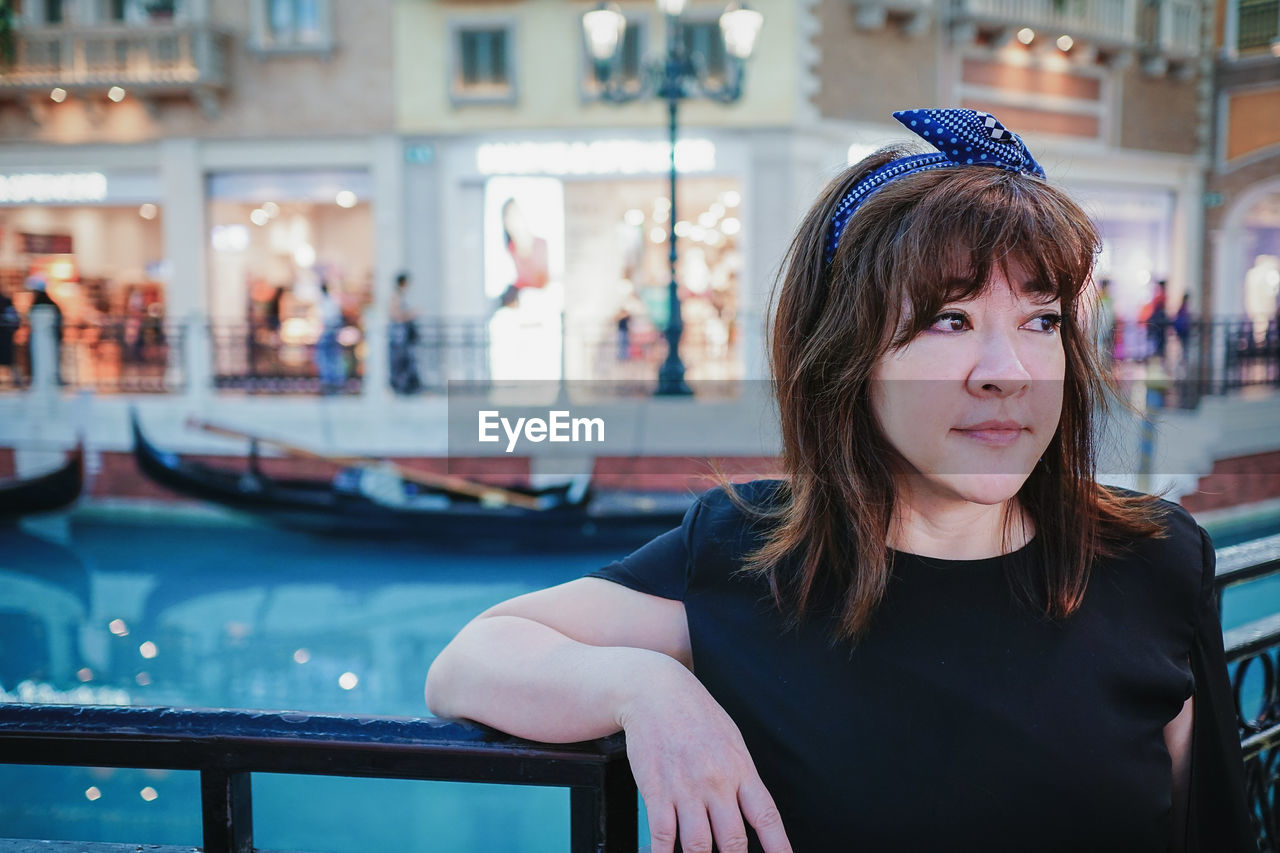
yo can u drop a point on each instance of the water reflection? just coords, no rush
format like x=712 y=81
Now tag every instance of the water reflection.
x=230 y=616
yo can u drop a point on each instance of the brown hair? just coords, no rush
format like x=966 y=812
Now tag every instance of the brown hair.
x=917 y=243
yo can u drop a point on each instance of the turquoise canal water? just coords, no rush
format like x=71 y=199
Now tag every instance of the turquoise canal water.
x=203 y=612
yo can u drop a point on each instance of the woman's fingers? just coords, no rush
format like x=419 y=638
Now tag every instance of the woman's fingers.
x=695 y=829
x=662 y=827
x=758 y=808
x=727 y=826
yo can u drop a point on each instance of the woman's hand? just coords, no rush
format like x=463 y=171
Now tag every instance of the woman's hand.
x=693 y=770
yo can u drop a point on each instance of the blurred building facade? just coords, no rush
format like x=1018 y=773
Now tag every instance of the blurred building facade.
x=215 y=162
x=202 y=154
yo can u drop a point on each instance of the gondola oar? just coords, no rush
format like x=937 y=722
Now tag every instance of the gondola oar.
x=492 y=495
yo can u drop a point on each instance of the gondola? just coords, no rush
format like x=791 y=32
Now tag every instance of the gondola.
x=369 y=501
x=49 y=492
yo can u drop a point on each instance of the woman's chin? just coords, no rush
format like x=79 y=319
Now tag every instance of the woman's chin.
x=985 y=489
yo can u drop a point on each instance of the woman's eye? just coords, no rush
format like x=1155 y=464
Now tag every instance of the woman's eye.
x=951 y=321
x=1047 y=323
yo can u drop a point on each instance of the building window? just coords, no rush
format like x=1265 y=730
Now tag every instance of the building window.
x=629 y=68
x=483 y=63
x=292 y=26
x=704 y=43
x=1258 y=24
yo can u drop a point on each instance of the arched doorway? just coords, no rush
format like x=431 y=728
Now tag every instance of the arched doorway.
x=1248 y=262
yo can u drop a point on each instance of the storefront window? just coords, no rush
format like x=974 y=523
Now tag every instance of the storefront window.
x=279 y=241
x=1260 y=250
x=1136 y=258
x=102 y=267
x=617 y=272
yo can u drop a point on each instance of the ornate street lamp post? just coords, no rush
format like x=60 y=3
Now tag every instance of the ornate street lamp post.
x=676 y=76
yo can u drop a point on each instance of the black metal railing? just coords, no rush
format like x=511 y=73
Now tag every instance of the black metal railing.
x=1253 y=659
x=227 y=747
x=123 y=355
x=1192 y=360
x=260 y=358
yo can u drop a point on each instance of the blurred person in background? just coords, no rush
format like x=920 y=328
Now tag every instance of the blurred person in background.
x=329 y=359
x=9 y=321
x=403 y=339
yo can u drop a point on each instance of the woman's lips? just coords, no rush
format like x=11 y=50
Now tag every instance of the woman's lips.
x=992 y=435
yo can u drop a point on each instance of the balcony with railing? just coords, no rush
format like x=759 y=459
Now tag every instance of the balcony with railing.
x=152 y=61
x=1169 y=32
x=1107 y=24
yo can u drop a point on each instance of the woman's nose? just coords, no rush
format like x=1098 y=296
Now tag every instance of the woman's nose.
x=999 y=369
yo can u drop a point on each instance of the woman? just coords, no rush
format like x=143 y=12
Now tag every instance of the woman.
x=938 y=633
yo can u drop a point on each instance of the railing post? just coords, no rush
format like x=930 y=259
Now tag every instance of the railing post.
x=44 y=351
x=197 y=356
x=604 y=819
x=375 y=367
x=226 y=808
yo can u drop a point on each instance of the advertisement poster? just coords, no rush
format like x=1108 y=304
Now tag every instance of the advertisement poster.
x=523 y=274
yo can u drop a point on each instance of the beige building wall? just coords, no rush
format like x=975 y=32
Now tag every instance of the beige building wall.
x=347 y=90
x=867 y=75
x=550 y=60
x=1158 y=113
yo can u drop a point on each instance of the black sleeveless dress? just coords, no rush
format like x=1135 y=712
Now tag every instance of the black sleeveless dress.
x=964 y=721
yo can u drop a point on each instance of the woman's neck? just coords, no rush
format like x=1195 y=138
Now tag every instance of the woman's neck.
x=958 y=530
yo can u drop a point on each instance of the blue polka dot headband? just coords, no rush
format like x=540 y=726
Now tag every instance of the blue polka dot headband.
x=962 y=137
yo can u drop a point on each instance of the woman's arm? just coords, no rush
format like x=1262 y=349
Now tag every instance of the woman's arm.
x=1177 y=737
x=586 y=646
x=590 y=657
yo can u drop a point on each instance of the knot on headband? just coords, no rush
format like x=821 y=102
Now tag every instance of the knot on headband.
x=961 y=137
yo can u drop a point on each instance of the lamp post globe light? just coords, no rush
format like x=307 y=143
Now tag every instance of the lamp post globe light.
x=675 y=76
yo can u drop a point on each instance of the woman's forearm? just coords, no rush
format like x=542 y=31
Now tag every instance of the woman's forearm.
x=525 y=678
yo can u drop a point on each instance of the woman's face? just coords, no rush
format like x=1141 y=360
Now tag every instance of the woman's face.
x=971 y=403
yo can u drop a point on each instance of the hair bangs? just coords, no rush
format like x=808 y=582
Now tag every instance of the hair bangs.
x=962 y=225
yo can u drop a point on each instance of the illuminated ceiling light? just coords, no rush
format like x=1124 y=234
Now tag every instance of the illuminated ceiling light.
x=707 y=219
x=271 y=208
x=58 y=95
x=348 y=681
x=732 y=198
x=683 y=228
x=115 y=93
x=118 y=627
x=1065 y=43
x=662 y=203
x=657 y=235
x=258 y=216
x=731 y=226
x=148 y=650
x=301 y=656
x=1026 y=35
x=634 y=217
x=148 y=211
x=149 y=794
x=345 y=198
